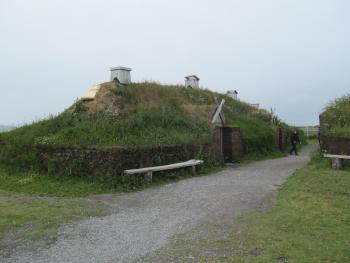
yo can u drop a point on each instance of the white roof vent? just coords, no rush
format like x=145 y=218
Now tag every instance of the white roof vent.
x=121 y=74
x=192 y=81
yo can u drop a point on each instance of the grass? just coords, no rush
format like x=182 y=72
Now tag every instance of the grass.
x=39 y=216
x=146 y=126
x=310 y=221
x=146 y=114
x=32 y=183
x=341 y=132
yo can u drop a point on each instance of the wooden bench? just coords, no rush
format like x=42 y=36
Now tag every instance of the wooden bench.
x=337 y=160
x=148 y=171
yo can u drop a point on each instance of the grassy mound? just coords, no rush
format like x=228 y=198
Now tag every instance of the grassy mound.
x=146 y=114
x=336 y=118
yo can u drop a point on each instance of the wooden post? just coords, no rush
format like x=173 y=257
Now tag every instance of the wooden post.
x=193 y=167
x=337 y=163
x=148 y=176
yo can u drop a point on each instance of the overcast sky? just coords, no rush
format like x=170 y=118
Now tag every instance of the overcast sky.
x=290 y=55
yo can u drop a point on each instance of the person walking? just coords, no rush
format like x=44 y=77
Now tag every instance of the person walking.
x=294 y=139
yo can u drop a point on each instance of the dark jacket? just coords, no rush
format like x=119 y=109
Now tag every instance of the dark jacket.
x=294 y=139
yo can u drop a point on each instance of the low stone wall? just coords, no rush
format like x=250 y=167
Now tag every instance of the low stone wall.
x=226 y=145
x=333 y=145
x=94 y=161
x=113 y=161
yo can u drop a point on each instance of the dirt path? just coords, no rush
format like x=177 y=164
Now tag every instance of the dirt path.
x=144 y=222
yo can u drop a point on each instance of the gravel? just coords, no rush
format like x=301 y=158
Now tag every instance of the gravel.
x=145 y=221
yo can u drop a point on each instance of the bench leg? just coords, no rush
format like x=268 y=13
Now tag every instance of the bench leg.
x=148 y=176
x=337 y=163
x=193 y=168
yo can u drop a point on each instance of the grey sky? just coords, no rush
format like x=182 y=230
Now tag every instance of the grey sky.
x=292 y=55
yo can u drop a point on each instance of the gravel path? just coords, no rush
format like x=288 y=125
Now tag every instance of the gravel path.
x=145 y=221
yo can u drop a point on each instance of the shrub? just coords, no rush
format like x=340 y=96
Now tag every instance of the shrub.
x=336 y=118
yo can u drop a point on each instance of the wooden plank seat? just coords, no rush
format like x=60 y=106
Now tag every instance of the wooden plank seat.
x=337 y=159
x=148 y=171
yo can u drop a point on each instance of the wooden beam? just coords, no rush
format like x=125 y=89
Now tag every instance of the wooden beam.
x=217 y=112
x=163 y=167
x=336 y=156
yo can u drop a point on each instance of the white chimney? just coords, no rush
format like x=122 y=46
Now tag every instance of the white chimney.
x=233 y=94
x=192 y=81
x=121 y=74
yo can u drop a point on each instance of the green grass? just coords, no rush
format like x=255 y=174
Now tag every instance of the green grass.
x=310 y=221
x=146 y=114
x=342 y=132
x=63 y=186
x=37 y=204
x=39 y=216
x=48 y=185
x=146 y=126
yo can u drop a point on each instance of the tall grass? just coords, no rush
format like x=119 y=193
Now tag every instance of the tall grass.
x=148 y=114
x=147 y=126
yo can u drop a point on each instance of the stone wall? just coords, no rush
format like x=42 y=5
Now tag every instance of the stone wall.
x=226 y=145
x=333 y=145
x=93 y=161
